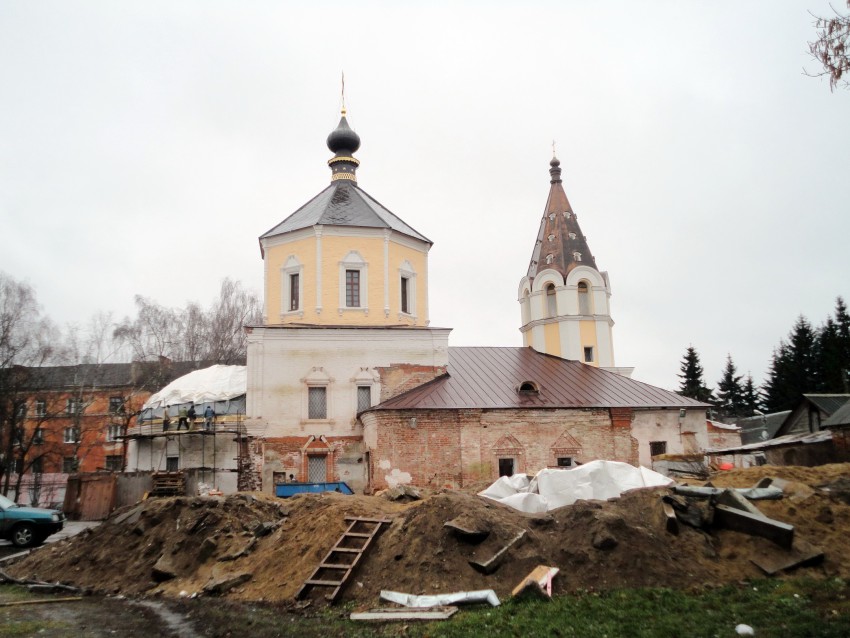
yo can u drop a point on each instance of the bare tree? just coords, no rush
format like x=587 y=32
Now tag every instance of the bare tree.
x=192 y=334
x=831 y=48
x=26 y=340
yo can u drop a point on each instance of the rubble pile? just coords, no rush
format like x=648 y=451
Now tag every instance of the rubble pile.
x=257 y=547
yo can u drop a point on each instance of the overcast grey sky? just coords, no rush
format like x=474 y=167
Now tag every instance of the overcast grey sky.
x=144 y=146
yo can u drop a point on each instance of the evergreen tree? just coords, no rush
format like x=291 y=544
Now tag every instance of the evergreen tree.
x=750 y=398
x=830 y=360
x=730 y=392
x=793 y=368
x=692 y=384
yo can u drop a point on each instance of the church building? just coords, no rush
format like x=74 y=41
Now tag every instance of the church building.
x=347 y=381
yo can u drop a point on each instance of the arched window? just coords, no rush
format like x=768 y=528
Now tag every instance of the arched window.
x=551 y=302
x=583 y=298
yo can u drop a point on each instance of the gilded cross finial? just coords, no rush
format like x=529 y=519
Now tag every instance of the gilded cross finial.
x=343 y=93
x=553 y=148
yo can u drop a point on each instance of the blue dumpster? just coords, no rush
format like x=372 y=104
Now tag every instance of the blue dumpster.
x=285 y=490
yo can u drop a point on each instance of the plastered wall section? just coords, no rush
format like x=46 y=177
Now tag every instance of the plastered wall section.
x=685 y=435
x=284 y=361
x=385 y=254
x=453 y=448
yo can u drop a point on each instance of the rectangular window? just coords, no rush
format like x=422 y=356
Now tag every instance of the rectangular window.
x=69 y=464
x=293 y=292
x=71 y=435
x=114 y=432
x=352 y=288
x=40 y=407
x=317 y=469
x=506 y=467
x=116 y=405
x=19 y=466
x=657 y=447
x=588 y=354
x=317 y=403
x=114 y=462
x=565 y=461
x=38 y=436
x=21 y=410
x=74 y=406
x=364 y=397
x=37 y=465
x=405 y=306
x=172 y=463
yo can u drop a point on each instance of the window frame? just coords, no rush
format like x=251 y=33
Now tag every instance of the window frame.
x=311 y=390
x=363 y=391
x=70 y=464
x=292 y=268
x=588 y=354
x=113 y=462
x=74 y=406
x=352 y=288
x=116 y=405
x=71 y=434
x=40 y=408
x=656 y=445
x=407 y=290
x=114 y=432
x=354 y=261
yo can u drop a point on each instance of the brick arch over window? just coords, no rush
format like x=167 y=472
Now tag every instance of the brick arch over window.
x=508 y=447
x=565 y=446
x=317 y=461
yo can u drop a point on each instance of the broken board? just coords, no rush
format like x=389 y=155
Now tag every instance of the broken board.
x=387 y=614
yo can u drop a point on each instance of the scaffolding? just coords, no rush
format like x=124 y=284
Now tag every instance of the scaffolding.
x=189 y=445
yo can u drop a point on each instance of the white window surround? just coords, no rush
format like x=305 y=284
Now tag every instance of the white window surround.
x=406 y=271
x=354 y=261
x=317 y=378
x=291 y=267
x=365 y=377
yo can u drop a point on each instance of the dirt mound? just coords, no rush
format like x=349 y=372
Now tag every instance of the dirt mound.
x=256 y=547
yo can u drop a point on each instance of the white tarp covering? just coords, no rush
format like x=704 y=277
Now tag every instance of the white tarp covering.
x=551 y=489
x=216 y=383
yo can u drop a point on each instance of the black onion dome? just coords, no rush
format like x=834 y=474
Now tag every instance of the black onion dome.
x=555 y=170
x=343 y=138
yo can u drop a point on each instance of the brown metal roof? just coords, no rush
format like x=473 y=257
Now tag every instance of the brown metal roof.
x=490 y=378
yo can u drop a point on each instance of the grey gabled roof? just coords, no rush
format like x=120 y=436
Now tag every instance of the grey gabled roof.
x=840 y=417
x=490 y=377
x=343 y=203
x=828 y=403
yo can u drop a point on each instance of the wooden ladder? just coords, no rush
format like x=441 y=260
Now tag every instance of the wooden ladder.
x=339 y=563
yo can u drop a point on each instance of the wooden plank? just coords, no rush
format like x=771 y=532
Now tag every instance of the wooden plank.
x=323 y=583
x=802 y=553
x=406 y=613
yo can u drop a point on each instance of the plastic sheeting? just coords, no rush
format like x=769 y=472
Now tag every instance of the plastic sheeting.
x=216 y=383
x=551 y=489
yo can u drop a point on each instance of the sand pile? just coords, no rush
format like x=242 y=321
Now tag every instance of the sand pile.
x=256 y=547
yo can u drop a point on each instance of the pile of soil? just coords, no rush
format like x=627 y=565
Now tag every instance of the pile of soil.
x=256 y=547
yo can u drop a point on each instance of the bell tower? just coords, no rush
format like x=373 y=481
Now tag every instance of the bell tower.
x=564 y=297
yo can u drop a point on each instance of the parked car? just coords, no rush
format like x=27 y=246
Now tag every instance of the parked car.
x=27 y=526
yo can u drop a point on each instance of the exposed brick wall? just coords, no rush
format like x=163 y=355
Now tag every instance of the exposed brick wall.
x=401 y=377
x=453 y=448
x=719 y=438
x=288 y=455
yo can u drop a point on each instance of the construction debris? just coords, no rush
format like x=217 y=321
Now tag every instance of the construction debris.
x=491 y=564
x=603 y=544
x=539 y=582
x=386 y=614
x=411 y=600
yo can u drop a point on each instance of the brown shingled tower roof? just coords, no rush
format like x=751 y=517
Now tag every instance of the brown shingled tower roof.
x=560 y=243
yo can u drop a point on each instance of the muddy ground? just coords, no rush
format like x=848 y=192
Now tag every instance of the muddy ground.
x=252 y=547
